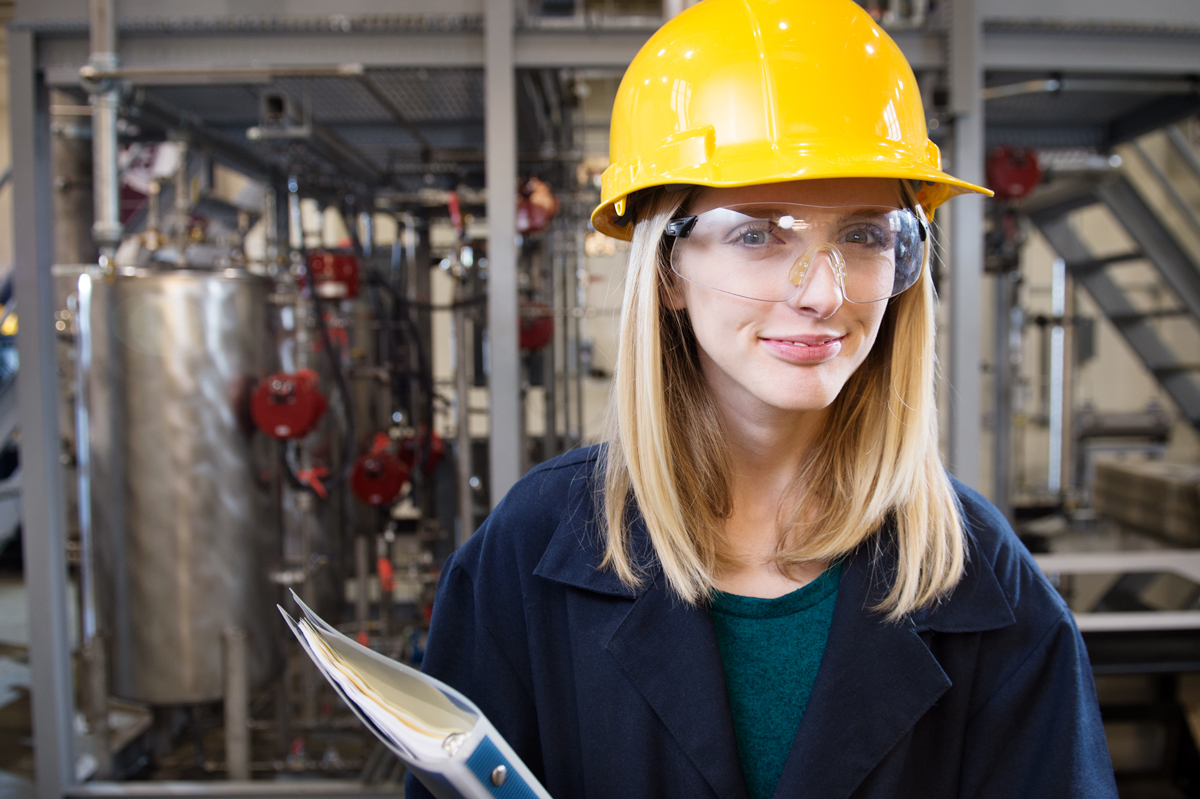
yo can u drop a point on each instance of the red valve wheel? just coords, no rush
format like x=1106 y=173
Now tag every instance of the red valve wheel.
x=378 y=477
x=288 y=405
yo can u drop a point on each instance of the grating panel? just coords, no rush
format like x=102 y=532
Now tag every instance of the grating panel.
x=1074 y=108
x=433 y=94
x=335 y=100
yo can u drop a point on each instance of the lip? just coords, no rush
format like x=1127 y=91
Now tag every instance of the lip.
x=804 y=349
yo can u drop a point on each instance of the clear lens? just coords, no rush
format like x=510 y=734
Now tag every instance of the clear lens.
x=765 y=252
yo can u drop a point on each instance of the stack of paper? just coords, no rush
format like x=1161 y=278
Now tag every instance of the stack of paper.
x=440 y=734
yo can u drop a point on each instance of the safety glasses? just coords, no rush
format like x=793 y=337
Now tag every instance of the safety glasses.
x=768 y=251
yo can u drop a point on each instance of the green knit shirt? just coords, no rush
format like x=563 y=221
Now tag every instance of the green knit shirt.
x=771 y=649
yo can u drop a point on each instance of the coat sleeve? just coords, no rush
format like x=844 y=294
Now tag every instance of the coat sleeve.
x=464 y=653
x=1039 y=734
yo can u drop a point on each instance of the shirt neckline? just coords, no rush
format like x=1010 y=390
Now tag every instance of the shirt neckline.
x=803 y=598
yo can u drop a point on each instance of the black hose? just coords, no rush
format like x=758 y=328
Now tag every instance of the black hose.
x=339 y=380
x=403 y=313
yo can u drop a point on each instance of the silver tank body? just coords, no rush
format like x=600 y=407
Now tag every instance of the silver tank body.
x=191 y=521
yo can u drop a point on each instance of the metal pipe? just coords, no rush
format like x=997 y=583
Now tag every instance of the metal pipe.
x=295 y=219
x=1058 y=303
x=106 y=102
x=362 y=596
x=150 y=76
x=366 y=233
x=183 y=200
x=106 y=230
x=237 y=705
x=95 y=683
x=1104 y=85
x=383 y=551
x=462 y=405
x=1002 y=393
x=550 y=353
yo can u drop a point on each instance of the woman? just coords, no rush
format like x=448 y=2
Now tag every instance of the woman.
x=765 y=584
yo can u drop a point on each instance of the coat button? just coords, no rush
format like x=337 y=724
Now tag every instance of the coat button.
x=499 y=775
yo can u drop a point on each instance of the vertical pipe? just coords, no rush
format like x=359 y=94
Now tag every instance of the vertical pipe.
x=106 y=102
x=462 y=404
x=42 y=503
x=183 y=201
x=237 y=705
x=563 y=300
x=549 y=354
x=383 y=554
x=95 y=685
x=366 y=233
x=1067 y=455
x=500 y=128
x=1002 y=393
x=362 y=571
x=966 y=243
x=1058 y=308
x=578 y=303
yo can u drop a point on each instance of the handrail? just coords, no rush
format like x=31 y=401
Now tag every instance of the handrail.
x=1181 y=204
x=1184 y=148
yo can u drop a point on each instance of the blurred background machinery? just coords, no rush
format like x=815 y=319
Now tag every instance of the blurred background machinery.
x=304 y=290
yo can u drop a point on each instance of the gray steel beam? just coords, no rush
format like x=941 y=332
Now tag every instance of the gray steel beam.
x=42 y=489
x=966 y=246
x=500 y=133
x=578 y=49
x=1024 y=50
x=1064 y=51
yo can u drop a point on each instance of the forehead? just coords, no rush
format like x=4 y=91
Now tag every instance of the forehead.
x=827 y=192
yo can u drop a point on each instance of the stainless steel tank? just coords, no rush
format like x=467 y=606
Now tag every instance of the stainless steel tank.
x=187 y=552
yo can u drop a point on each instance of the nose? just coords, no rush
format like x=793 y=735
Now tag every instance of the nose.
x=818 y=278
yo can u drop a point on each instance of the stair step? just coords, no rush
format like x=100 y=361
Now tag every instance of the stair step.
x=1175 y=368
x=1142 y=316
x=1095 y=264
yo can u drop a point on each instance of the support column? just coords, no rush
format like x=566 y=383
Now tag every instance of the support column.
x=42 y=490
x=966 y=244
x=500 y=128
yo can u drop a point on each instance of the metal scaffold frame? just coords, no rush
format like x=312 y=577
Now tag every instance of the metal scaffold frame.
x=44 y=54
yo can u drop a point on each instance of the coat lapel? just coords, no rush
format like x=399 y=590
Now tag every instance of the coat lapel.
x=669 y=651
x=876 y=680
x=666 y=648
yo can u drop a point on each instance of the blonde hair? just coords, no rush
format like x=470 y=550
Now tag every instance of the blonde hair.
x=875 y=462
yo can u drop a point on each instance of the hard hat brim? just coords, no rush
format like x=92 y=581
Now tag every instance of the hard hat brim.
x=935 y=187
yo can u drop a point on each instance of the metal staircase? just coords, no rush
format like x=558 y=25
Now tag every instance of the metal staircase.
x=1173 y=360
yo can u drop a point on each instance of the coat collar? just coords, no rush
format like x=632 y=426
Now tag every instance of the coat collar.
x=875 y=681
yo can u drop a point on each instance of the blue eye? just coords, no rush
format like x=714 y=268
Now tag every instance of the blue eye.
x=753 y=238
x=859 y=236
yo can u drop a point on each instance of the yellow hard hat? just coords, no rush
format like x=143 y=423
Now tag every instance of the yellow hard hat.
x=740 y=92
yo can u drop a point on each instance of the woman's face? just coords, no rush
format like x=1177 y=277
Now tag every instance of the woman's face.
x=762 y=358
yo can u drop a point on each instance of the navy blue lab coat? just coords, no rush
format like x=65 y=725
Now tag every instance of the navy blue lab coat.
x=607 y=692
